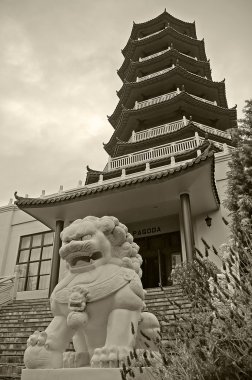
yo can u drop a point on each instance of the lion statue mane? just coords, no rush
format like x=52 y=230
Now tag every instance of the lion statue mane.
x=98 y=304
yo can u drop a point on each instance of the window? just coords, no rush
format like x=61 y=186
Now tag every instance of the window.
x=34 y=260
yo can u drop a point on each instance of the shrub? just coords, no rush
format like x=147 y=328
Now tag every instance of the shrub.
x=213 y=341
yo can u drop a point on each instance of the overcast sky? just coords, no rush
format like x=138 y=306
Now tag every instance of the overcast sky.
x=58 y=78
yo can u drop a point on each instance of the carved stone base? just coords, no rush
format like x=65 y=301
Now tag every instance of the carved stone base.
x=86 y=373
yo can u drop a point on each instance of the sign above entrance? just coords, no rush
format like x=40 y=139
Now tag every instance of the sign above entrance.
x=146 y=231
x=154 y=226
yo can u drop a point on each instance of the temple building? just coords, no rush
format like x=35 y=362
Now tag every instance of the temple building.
x=166 y=173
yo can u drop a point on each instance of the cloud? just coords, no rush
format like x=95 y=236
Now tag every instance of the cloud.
x=17 y=52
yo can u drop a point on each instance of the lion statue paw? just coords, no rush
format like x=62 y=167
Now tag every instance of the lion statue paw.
x=110 y=357
x=38 y=353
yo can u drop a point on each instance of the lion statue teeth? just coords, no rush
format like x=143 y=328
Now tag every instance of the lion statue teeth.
x=98 y=304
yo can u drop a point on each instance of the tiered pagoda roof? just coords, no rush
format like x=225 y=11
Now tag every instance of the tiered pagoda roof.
x=178 y=105
x=151 y=26
x=119 y=147
x=129 y=71
x=176 y=74
x=171 y=117
x=194 y=85
x=167 y=37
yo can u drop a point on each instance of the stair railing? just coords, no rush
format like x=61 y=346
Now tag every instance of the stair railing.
x=8 y=287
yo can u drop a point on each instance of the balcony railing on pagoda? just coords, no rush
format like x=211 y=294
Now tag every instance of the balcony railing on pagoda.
x=141 y=59
x=157 y=131
x=162 y=151
x=153 y=34
x=140 y=79
x=172 y=127
x=164 y=97
x=156 y=100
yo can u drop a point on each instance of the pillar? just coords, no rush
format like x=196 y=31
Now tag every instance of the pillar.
x=187 y=225
x=56 y=257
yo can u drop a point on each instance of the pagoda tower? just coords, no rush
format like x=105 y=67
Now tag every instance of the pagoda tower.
x=168 y=153
x=168 y=101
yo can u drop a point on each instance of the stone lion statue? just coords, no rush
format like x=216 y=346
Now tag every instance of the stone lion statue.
x=98 y=304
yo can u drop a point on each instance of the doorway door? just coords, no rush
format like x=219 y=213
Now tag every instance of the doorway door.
x=159 y=253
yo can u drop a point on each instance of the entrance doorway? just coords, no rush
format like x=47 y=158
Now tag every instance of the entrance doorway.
x=160 y=254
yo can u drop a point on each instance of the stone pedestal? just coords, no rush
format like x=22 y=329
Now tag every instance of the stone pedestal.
x=85 y=373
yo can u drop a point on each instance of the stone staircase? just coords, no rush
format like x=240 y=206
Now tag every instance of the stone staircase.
x=17 y=321
x=168 y=304
x=21 y=318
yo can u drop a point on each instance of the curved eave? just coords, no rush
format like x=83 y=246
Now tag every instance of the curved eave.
x=163 y=17
x=90 y=170
x=129 y=67
x=133 y=44
x=126 y=89
x=91 y=173
x=119 y=148
x=30 y=205
x=183 y=95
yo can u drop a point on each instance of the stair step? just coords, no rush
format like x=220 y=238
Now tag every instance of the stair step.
x=31 y=328
x=13 y=340
x=164 y=295
x=153 y=305
x=29 y=321
x=12 y=358
x=17 y=334
x=13 y=353
x=12 y=345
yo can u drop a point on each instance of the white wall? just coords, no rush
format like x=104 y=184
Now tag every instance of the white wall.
x=6 y=216
x=218 y=233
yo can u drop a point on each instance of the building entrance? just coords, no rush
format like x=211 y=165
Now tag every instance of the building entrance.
x=160 y=253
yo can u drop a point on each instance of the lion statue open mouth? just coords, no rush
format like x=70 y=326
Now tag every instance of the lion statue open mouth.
x=98 y=304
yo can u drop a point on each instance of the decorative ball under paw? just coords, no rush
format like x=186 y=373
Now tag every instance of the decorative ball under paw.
x=76 y=319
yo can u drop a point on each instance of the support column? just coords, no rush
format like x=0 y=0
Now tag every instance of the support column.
x=187 y=225
x=56 y=257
